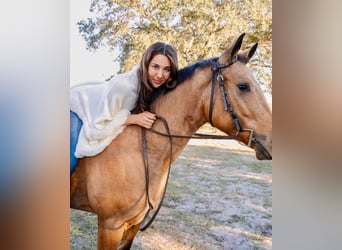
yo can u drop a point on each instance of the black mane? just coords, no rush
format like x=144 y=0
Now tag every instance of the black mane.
x=188 y=71
x=182 y=75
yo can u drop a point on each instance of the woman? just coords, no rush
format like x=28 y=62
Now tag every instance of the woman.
x=100 y=111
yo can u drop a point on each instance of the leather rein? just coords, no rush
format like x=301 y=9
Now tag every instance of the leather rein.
x=216 y=75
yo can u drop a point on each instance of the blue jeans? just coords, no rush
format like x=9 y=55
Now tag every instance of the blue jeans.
x=75 y=127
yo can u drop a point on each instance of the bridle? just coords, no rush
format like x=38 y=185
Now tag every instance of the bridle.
x=216 y=75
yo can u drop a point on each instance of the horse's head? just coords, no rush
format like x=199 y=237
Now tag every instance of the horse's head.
x=247 y=113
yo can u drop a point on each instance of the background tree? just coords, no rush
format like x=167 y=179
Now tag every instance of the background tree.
x=198 y=29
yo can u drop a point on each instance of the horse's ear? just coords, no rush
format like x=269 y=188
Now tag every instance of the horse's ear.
x=252 y=50
x=232 y=50
x=247 y=55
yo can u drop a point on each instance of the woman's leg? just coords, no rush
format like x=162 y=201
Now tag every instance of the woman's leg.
x=75 y=127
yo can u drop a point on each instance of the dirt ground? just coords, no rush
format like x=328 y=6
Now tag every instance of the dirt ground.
x=219 y=197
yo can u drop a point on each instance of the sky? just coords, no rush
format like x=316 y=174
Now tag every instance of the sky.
x=86 y=65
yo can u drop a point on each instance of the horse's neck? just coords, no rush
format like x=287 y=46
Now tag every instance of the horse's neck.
x=183 y=107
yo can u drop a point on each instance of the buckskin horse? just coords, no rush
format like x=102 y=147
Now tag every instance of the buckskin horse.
x=128 y=179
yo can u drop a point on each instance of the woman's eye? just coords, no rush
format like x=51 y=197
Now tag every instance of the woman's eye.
x=244 y=87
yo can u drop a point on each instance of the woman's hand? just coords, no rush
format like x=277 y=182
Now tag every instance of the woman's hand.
x=144 y=119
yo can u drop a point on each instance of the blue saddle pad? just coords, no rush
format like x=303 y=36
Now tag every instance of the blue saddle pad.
x=75 y=127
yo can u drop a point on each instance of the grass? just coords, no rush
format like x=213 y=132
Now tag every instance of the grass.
x=216 y=198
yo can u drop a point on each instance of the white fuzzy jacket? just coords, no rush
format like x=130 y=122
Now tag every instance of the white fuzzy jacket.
x=103 y=108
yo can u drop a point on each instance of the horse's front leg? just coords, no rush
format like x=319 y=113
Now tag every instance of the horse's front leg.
x=108 y=237
x=129 y=237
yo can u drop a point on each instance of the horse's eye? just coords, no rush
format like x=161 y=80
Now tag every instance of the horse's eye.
x=244 y=87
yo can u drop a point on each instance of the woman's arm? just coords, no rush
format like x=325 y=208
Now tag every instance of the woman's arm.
x=144 y=119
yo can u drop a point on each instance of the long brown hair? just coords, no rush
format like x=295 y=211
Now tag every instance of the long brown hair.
x=147 y=93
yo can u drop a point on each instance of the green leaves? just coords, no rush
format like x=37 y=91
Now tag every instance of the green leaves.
x=197 y=29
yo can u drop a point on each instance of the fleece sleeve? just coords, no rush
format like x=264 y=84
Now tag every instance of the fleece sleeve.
x=103 y=108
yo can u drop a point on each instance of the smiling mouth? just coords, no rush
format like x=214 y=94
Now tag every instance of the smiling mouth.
x=157 y=82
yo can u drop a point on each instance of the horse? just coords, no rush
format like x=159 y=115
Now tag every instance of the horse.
x=117 y=185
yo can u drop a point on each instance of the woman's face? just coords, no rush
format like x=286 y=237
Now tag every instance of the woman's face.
x=159 y=70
